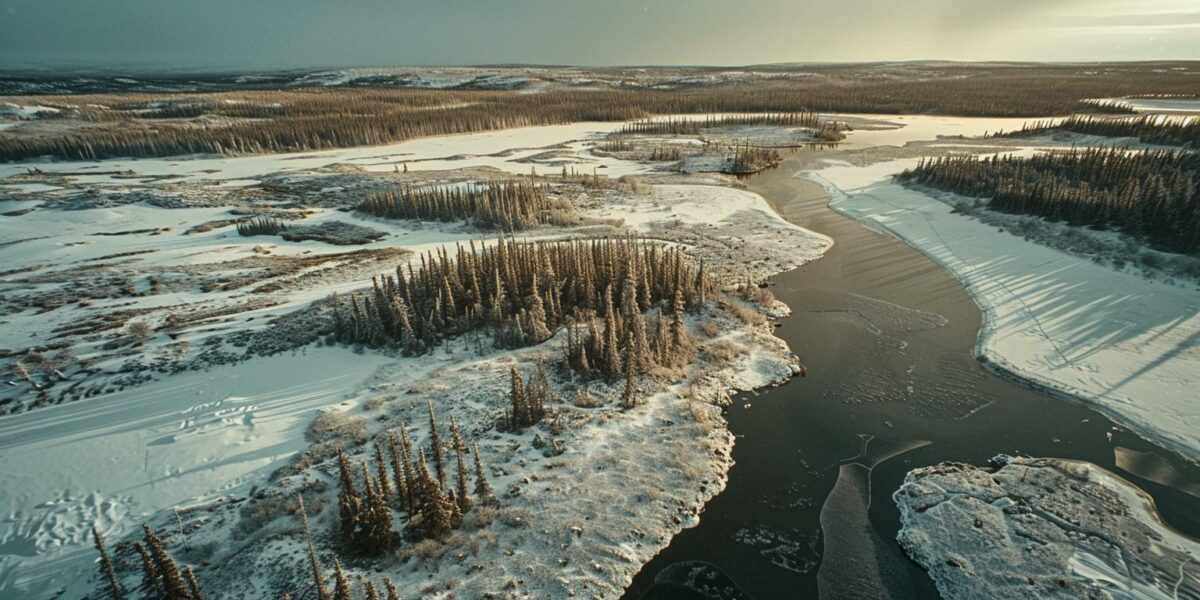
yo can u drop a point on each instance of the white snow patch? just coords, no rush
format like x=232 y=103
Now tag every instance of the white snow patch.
x=119 y=457
x=1129 y=345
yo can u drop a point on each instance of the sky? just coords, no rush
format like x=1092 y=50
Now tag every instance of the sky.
x=287 y=34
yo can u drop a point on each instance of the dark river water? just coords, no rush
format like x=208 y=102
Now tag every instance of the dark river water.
x=893 y=384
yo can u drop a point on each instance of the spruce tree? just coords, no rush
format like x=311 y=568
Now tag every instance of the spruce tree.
x=381 y=474
x=392 y=594
x=349 y=502
x=518 y=399
x=173 y=584
x=483 y=490
x=193 y=584
x=461 y=497
x=439 y=460
x=318 y=578
x=372 y=593
x=398 y=473
x=436 y=515
x=151 y=581
x=629 y=392
x=106 y=567
x=341 y=586
x=410 y=479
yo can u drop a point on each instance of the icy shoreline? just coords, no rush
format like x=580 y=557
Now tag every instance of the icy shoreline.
x=1122 y=344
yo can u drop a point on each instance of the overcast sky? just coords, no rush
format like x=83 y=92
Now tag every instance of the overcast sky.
x=272 y=34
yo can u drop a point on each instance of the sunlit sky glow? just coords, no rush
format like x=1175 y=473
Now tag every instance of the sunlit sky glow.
x=274 y=34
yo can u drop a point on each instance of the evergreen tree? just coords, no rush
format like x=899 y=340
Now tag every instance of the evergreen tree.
x=400 y=473
x=483 y=490
x=629 y=392
x=374 y=534
x=410 y=479
x=382 y=472
x=517 y=398
x=151 y=583
x=173 y=584
x=461 y=497
x=106 y=567
x=437 y=515
x=318 y=578
x=341 y=586
x=521 y=292
x=349 y=502
x=392 y=594
x=372 y=593
x=193 y=584
x=439 y=460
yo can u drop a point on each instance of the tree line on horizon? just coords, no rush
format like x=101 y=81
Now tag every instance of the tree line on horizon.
x=134 y=125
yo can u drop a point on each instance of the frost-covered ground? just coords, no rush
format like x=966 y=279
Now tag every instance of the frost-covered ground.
x=1129 y=345
x=1042 y=528
x=146 y=430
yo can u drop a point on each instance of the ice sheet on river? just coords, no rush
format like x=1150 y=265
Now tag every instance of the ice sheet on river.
x=1044 y=528
x=856 y=562
x=1127 y=344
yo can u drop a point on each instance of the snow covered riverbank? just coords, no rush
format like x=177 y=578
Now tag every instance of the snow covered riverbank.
x=1128 y=345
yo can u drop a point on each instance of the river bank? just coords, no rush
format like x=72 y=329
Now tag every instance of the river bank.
x=889 y=337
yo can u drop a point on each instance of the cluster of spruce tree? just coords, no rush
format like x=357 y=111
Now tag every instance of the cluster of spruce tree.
x=665 y=153
x=260 y=226
x=617 y=142
x=435 y=505
x=341 y=585
x=528 y=399
x=162 y=579
x=507 y=206
x=1149 y=129
x=618 y=342
x=523 y=292
x=1152 y=195
x=749 y=159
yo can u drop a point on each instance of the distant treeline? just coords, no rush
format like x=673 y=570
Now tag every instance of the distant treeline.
x=1152 y=195
x=1149 y=129
x=680 y=126
x=826 y=130
x=138 y=125
x=495 y=205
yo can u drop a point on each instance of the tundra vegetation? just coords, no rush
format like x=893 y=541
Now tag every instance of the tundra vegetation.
x=306 y=119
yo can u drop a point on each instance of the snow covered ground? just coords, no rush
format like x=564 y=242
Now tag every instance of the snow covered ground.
x=1126 y=344
x=513 y=150
x=117 y=459
x=130 y=453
